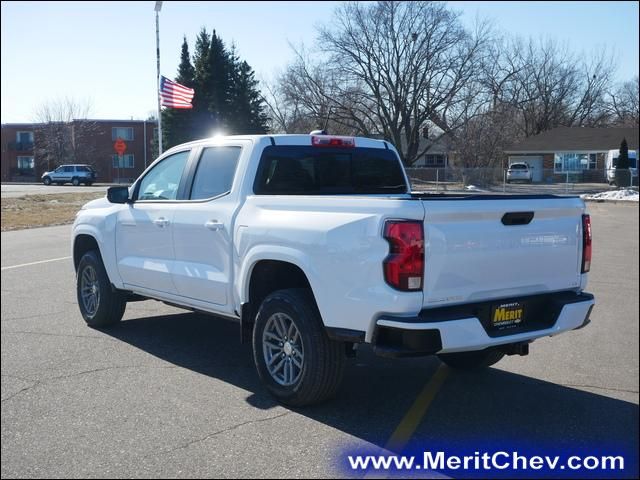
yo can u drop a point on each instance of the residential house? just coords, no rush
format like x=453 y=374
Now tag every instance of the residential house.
x=577 y=152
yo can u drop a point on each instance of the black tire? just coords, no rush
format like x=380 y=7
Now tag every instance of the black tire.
x=46 y=181
x=472 y=360
x=324 y=359
x=110 y=303
x=75 y=181
x=88 y=184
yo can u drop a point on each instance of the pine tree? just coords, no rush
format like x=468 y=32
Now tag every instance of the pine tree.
x=201 y=126
x=257 y=116
x=622 y=173
x=226 y=97
x=249 y=110
x=247 y=107
x=623 y=158
x=219 y=71
x=178 y=123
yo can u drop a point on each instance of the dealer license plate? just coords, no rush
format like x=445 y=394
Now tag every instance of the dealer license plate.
x=507 y=315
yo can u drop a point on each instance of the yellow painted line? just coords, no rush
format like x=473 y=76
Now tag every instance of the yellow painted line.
x=407 y=426
x=35 y=263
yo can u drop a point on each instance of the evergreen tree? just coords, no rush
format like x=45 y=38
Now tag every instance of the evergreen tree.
x=623 y=174
x=248 y=106
x=623 y=158
x=257 y=119
x=226 y=97
x=201 y=126
x=219 y=71
x=177 y=124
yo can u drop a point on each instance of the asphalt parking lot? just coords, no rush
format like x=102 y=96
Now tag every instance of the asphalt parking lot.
x=169 y=393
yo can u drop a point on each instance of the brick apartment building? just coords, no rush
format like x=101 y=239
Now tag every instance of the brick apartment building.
x=23 y=161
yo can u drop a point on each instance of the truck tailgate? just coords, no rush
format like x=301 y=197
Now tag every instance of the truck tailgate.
x=480 y=249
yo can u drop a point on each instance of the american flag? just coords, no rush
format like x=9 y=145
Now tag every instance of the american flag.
x=174 y=95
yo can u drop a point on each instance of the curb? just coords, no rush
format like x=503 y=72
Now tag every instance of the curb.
x=603 y=200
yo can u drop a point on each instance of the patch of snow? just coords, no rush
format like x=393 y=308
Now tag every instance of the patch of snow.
x=474 y=188
x=625 y=194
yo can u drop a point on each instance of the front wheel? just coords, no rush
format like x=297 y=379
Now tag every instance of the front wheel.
x=296 y=360
x=75 y=181
x=100 y=305
x=47 y=181
x=472 y=360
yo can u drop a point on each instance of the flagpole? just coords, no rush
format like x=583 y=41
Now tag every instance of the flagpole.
x=157 y=9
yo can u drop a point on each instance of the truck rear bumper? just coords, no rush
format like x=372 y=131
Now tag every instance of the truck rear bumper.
x=441 y=332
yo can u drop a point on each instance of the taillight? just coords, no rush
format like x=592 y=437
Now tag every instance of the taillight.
x=586 y=243
x=404 y=267
x=326 y=141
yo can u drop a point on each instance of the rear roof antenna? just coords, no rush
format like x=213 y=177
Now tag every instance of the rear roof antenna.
x=324 y=129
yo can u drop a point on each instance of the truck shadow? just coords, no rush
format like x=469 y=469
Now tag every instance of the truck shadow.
x=491 y=406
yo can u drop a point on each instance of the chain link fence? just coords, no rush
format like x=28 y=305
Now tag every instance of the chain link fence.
x=500 y=180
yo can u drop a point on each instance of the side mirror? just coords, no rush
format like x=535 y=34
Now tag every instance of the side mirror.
x=118 y=194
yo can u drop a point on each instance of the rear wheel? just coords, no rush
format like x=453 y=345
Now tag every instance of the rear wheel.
x=472 y=360
x=75 y=181
x=100 y=305
x=295 y=358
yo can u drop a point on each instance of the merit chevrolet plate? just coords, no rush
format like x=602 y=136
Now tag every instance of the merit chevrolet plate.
x=507 y=315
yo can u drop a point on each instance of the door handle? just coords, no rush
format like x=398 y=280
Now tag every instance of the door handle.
x=161 y=222
x=214 y=225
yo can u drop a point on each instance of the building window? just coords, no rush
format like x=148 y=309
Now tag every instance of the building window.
x=24 y=141
x=125 y=133
x=26 y=165
x=126 y=161
x=575 y=162
x=435 y=160
x=24 y=137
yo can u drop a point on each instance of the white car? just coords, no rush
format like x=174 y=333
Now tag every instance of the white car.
x=519 y=172
x=315 y=244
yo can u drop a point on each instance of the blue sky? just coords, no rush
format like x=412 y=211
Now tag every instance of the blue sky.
x=105 y=51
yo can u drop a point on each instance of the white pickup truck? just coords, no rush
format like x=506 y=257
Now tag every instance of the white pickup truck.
x=315 y=244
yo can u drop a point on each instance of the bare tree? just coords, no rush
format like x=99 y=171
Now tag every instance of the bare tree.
x=64 y=133
x=391 y=69
x=623 y=103
x=554 y=87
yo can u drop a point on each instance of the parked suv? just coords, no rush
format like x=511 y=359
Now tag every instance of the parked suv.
x=519 y=172
x=75 y=174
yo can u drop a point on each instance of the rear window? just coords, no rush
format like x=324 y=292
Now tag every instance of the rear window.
x=298 y=170
x=215 y=172
x=518 y=166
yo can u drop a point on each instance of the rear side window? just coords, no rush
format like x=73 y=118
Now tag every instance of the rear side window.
x=215 y=172
x=298 y=170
